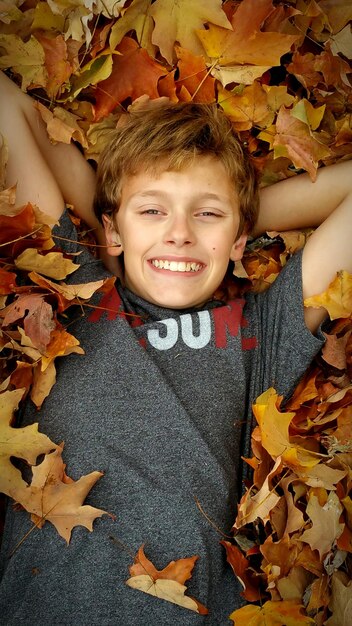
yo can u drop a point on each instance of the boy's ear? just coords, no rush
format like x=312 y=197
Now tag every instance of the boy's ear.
x=238 y=247
x=113 y=241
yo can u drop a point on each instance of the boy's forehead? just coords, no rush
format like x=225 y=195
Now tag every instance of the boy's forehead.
x=217 y=182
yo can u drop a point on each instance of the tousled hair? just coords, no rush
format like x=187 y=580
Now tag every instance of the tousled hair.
x=170 y=137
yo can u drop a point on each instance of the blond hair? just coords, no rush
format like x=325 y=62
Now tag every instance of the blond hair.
x=170 y=137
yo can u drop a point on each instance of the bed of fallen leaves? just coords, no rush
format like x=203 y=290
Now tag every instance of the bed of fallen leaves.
x=282 y=73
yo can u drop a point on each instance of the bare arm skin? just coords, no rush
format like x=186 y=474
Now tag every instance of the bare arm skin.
x=326 y=203
x=47 y=175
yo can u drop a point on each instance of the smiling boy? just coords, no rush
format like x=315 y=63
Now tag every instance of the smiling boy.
x=162 y=399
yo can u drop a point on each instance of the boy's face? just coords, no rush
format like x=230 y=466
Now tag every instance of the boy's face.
x=177 y=232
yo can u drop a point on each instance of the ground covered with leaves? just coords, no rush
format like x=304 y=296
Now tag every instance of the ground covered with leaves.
x=282 y=73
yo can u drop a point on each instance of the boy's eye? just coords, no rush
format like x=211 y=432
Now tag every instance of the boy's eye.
x=208 y=214
x=151 y=212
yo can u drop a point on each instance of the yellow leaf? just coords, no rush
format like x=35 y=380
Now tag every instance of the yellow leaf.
x=23 y=443
x=178 y=21
x=243 y=74
x=337 y=299
x=286 y=612
x=25 y=58
x=305 y=112
x=43 y=383
x=273 y=424
x=136 y=17
x=246 y=109
x=52 y=264
x=45 y=19
x=169 y=590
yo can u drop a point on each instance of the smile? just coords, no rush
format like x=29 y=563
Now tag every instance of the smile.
x=177 y=266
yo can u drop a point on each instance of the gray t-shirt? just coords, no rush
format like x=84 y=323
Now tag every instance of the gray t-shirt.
x=161 y=402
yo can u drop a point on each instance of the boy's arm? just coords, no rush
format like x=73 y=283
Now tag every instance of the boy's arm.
x=47 y=175
x=326 y=203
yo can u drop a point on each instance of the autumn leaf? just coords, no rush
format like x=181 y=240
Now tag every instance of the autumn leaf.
x=37 y=318
x=246 y=43
x=24 y=443
x=241 y=568
x=168 y=583
x=134 y=74
x=26 y=58
x=53 y=264
x=54 y=497
x=294 y=139
x=180 y=21
x=337 y=299
x=326 y=527
x=136 y=17
x=341 y=601
x=287 y=612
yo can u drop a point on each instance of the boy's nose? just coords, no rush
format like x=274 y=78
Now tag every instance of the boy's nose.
x=179 y=232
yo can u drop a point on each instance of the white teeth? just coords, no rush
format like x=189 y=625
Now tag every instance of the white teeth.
x=175 y=266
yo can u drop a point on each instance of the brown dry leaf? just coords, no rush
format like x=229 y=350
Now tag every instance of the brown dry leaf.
x=24 y=443
x=334 y=350
x=57 y=63
x=337 y=299
x=341 y=601
x=62 y=125
x=326 y=527
x=180 y=21
x=7 y=282
x=26 y=58
x=294 y=139
x=37 y=317
x=54 y=497
x=261 y=504
x=43 y=382
x=246 y=43
x=168 y=583
x=287 y=613
x=61 y=343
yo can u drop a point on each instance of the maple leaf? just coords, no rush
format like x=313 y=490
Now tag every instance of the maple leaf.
x=26 y=58
x=54 y=497
x=24 y=443
x=62 y=125
x=38 y=318
x=180 y=21
x=7 y=282
x=57 y=63
x=326 y=527
x=337 y=299
x=52 y=264
x=246 y=43
x=193 y=76
x=241 y=568
x=134 y=74
x=246 y=109
x=168 y=583
x=341 y=601
x=287 y=612
x=136 y=17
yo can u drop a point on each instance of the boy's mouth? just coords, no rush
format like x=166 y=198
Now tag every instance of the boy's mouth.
x=177 y=266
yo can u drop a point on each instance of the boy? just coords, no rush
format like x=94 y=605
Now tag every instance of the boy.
x=162 y=403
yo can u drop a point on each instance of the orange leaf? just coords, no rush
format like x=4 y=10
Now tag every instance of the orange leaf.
x=193 y=76
x=167 y=583
x=7 y=282
x=246 y=43
x=134 y=74
x=56 y=62
x=241 y=568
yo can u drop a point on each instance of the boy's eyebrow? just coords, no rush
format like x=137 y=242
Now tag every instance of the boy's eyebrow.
x=164 y=194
